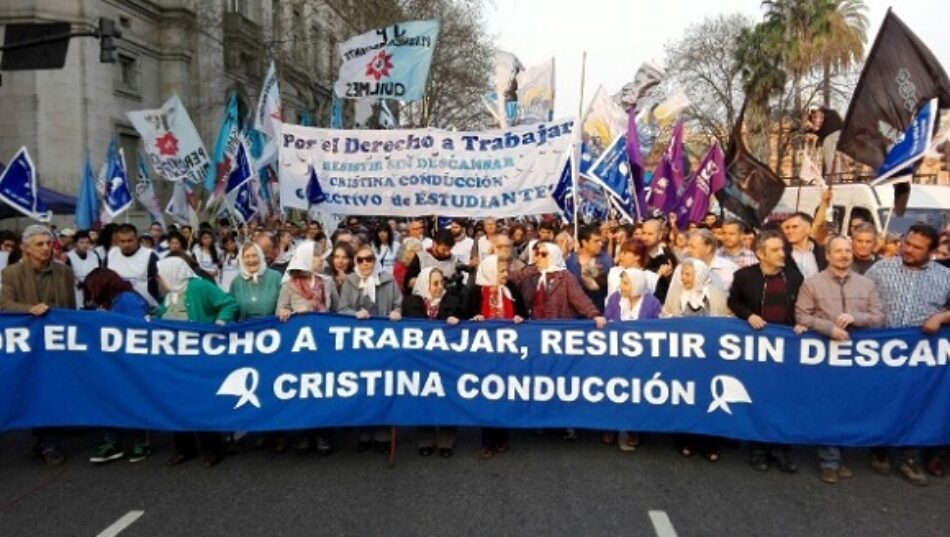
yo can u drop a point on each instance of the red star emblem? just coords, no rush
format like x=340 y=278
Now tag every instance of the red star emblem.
x=380 y=65
x=278 y=114
x=167 y=145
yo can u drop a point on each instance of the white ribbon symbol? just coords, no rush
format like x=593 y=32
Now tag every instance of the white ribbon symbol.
x=237 y=385
x=725 y=390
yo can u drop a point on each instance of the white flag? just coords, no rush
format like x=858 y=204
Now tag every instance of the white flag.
x=269 y=117
x=667 y=111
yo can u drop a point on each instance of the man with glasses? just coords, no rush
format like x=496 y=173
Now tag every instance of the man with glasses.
x=504 y=249
x=417 y=230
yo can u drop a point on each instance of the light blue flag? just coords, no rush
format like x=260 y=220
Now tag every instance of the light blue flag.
x=226 y=135
x=19 y=189
x=391 y=62
x=305 y=119
x=87 y=204
x=118 y=195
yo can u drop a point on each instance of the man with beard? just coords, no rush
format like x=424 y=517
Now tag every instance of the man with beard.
x=439 y=255
x=660 y=260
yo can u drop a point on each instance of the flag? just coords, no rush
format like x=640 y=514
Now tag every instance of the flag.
x=912 y=146
x=101 y=182
x=612 y=171
x=667 y=111
x=386 y=118
x=604 y=121
x=709 y=178
x=304 y=119
x=238 y=192
x=336 y=112
x=243 y=202
x=172 y=142
x=668 y=175
x=145 y=193
x=648 y=76
x=899 y=76
x=315 y=193
x=391 y=62
x=635 y=160
x=241 y=170
x=19 y=189
x=502 y=103
x=810 y=172
x=87 y=203
x=535 y=94
x=118 y=196
x=563 y=193
x=224 y=149
x=269 y=114
x=181 y=205
x=752 y=190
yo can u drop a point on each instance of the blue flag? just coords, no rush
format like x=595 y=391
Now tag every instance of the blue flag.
x=912 y=146
x=241 y=171
x=612 y=170
x=315 y=193
x=238 y=191
x=564 y=191
x=118 y=196
x=243 y=202
x=87 y=204
x=18 y=187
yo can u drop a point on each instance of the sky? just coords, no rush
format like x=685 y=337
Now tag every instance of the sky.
x=619 y=35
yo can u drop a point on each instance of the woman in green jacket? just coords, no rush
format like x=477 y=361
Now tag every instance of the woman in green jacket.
x=257 y=287
x=189 y=297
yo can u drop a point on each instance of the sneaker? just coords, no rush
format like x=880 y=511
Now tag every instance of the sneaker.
x=53 y=458
x=844 y=472
x=911 y=471
x=880 y=465
x=140 y=452
x=107 y=452
x=783 y=460
x=829 y=475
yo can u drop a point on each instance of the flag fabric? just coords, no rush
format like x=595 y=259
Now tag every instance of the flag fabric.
x=118 y=195
x=535 y=94
x=667 y=111
x=224 y=149
x=386 y=118
x=239 y=193
x=391 y=62
x=145 y=193
x=912 y=146
x=648 y=76
x=101 y=182
x=241 y=170
x=810 y=172
x=709 y=178
x=502 y=103
x=336 y=112
x=604 y=120
x=269 y=114
x=243 y=202
x=563 y=192
x=612 y=171
x=19 y=188
x=181 y=205
x=900 y=75
x=87 y=203
x=635 y=160
x=668 y=174
x=172 y=142
x=752 y=190
x=315 y=195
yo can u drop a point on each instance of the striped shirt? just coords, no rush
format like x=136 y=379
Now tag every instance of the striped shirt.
x=744 y=258
x=910 y=295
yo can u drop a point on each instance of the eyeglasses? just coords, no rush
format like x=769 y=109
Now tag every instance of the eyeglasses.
x=540 y=254
x=369 y=259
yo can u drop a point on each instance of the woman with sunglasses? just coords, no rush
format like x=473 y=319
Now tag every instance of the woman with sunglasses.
x=430 y=301
x=366 y=293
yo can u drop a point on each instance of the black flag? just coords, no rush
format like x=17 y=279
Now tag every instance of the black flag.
x=752 y=190
x=899 y=76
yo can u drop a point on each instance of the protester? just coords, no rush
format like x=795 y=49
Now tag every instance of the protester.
x=189 y=297
x=109 y=292
x=384 y=248
x=133 y=263
x=430 y=301
x=464 y=245
x=504 y=249
x=802 y=253
x=229 y=263
x=266 y=241
x=257 y=287
x=590 y=264
x=368 y=293
x=206 y=253
x=407 y=253
x=661 y=262
x=34 y=285
x=633 y=254
x=732 y=248
x=83 y=260
x=176 y=243
x=417 y=230
x=439 y=255
x=864 y=242
x=761 y=294
x=915 y=291
x=285 y=250
x=483 y=247
x=341 y=264
x=494 y=298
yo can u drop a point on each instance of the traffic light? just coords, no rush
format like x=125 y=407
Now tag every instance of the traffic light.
x=108 y=33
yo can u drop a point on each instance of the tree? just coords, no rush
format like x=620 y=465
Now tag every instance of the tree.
x=704 y=63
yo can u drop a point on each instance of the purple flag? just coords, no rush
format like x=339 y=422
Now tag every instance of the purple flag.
x=636 y=164
x=668 y=175
x=709 y=178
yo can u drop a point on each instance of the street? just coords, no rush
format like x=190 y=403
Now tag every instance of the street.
x=543 y=486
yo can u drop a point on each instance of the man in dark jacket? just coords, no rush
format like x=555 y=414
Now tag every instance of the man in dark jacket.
x=761 y=294
x=802 y=253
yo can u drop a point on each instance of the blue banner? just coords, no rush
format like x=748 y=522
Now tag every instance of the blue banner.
x=118 y=195
x=912 y=145
x=706 y=376
x=19 y=189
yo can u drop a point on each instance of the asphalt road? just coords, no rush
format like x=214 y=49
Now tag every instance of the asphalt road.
x=544 y=486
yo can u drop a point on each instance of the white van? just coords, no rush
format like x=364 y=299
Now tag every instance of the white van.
x=928 y=203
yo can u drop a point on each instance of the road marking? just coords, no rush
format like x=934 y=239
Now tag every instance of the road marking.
x=662 y=524
x=119 y=525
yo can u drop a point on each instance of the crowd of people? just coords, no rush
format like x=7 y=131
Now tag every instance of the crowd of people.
x=793 y=273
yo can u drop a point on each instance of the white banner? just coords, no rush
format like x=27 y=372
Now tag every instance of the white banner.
x=506 y=172
x=171 y=141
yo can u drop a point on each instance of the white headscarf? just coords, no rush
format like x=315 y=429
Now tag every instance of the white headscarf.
x=422 y=287
x=368 y=284
x=487 y=275
x=555 y=261
x=696 y=297
x=261 y=268
x=175 y=273
x=638 y=280
x=302 y=260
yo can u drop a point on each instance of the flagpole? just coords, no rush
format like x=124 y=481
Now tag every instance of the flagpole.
x=575 y=167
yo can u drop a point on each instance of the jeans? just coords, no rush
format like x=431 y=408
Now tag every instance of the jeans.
x=829 y=457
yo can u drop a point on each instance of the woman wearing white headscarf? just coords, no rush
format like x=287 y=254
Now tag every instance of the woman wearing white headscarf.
x=553 y=293
x=189 y=297
x=304 y=289
x=256 y=287
x=494 y=298
x=629 y=298
x=430 y=301
x=696 y=297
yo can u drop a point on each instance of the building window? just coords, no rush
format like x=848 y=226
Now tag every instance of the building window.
x=127 y=74
x=237 y=6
